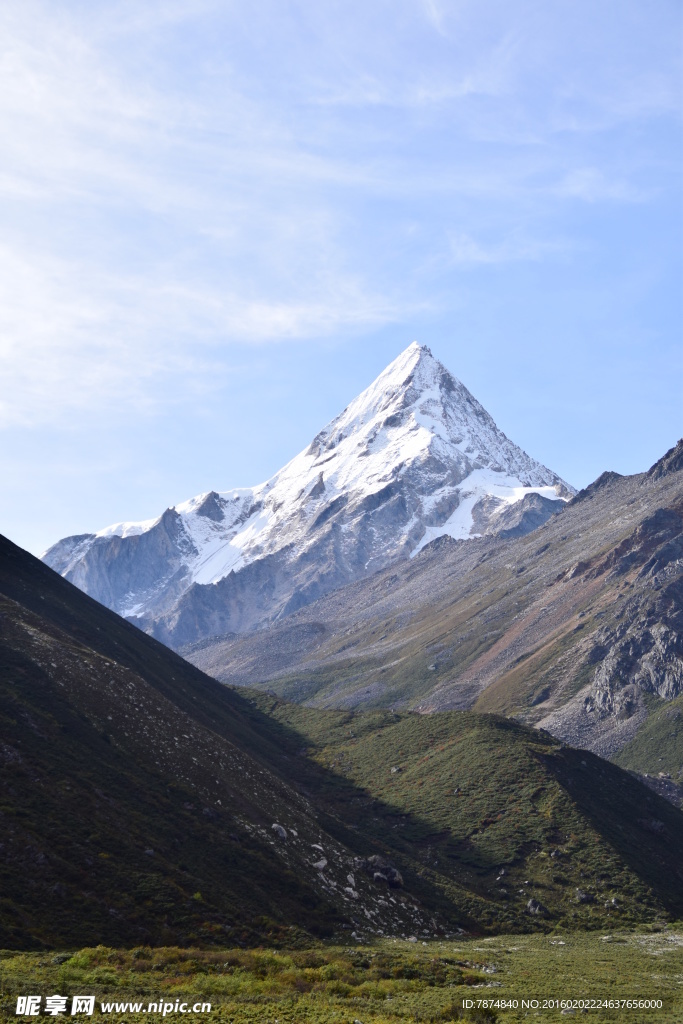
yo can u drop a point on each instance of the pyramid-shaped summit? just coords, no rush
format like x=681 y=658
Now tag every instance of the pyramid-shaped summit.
x=416 y=410
x=412 y=458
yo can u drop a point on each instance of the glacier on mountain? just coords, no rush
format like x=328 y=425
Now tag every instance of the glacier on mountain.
x=412 y=458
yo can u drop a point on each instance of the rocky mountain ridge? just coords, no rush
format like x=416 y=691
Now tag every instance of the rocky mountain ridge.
x=412 y=458
x=575 y=627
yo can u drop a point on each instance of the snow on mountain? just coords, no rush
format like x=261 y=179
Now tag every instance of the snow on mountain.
x=413 y=457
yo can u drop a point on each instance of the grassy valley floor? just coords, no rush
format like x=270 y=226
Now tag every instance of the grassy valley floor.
x=388 y=982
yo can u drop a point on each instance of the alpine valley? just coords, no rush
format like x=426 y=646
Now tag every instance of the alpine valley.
x=425 y=625
x=142 y=803
x=414 y=558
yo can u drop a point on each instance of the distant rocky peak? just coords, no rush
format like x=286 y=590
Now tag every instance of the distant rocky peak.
x=212 y=507
x=671 y=462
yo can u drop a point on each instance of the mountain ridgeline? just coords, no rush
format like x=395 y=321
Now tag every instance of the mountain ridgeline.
x=144 y=803
x=414 y=558
x=576 y=628
x=414 y=457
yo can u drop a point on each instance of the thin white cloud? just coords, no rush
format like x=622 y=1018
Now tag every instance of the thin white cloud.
x=465 y=251
x=71 y=339
x=432 y=9
x=131 y=18
x=81 y=142
x=152 y=211
x=591 y=185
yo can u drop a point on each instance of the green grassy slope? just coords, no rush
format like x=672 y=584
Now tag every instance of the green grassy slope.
x=658 y=747
x=494 y=814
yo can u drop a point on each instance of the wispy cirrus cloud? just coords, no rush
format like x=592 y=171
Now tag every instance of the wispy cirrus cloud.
x=592 y=185
x=200 y=200
x=465 y=251
x=105 y=340
x=434 y=13
x=182 y=176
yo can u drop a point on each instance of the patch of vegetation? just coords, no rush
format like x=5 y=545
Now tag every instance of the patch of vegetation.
x=658 y=747
x=388 y=982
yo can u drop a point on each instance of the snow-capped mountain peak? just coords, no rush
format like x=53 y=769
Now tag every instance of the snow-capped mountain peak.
x=414 y=456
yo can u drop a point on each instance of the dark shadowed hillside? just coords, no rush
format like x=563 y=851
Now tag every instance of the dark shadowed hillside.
x=137 y=803
x=143 y=802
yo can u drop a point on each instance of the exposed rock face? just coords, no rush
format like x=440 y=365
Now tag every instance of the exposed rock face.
x=641 y=650
x=649 y=659
x=521 y=518
x=672 y=462
x=381 y=870
x=413 y=458
x=645 y=650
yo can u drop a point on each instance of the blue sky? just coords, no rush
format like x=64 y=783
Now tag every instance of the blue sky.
x=219 y=221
